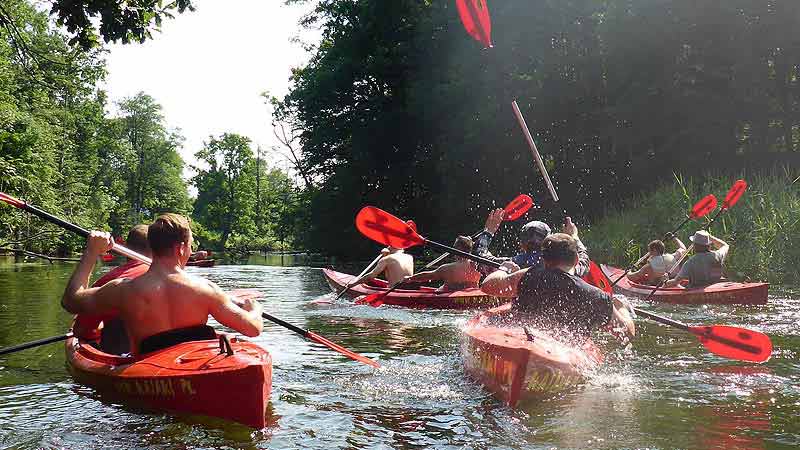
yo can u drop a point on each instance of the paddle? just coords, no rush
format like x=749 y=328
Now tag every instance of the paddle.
x=376 y=299
x=700 y=209
x=726 y=341
x=366 y=269
x=734 y=194
x=513 y=211
x=36 y=343
x=134 y=255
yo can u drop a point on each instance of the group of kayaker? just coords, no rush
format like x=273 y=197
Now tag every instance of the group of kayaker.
x=702 y=269
x=543 y=279
x=160 y=305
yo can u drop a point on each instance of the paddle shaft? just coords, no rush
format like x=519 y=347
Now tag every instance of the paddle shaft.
x=366 y=269
x=534 y=150
x=79 y=230
x=629 y=268
x=36 y=343
x=476 y=258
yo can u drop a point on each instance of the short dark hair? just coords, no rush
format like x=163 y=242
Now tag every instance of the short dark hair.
x=137 y=239
x=657 y=246
x=559 y=248
x=463 y=243
x=166 y=232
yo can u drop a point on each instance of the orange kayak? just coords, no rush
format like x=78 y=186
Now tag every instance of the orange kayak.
x=724 y=292
x=517 y=366
x=424 y=298
x=192 y=377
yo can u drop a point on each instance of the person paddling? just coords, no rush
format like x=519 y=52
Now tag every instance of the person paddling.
x=461 y=274
x=395 y=264
x=165 y=305
x=555 y=296
x=705 y=267
x=658 y=262
x=531 y=237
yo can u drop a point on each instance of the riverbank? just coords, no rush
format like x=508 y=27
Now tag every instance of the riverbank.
x=763 y=228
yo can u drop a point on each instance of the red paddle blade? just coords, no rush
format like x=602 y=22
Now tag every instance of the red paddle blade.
x=374 y=300
x=336 y=347
x=704 y=206
x=517 y=207
x=734 y=194
x=386 y=229
x=475 y=17
x=734 y=342
x=596 y=277
x=15 y=202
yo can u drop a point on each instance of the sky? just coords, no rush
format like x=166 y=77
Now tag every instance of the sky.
x=207 y=68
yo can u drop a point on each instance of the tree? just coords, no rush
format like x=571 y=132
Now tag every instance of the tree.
x=226 y=187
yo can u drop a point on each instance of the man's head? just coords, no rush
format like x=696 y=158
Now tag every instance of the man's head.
x=532 y=235
x=170 y=235
x=560 y=250
x=463 y=243
x=656 y=248
x=137 y=240
x=701 y=240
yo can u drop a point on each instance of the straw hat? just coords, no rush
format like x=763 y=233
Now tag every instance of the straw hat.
x=701 y=237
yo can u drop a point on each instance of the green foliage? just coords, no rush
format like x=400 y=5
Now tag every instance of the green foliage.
x=60 y=151
x=400 y=108
x=130 y=20
x=762 y=228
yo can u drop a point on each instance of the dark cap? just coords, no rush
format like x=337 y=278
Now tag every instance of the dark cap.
x=534 y=232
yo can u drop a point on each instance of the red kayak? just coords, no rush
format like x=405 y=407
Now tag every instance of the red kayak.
x=423 y=298
x=517 y=366
x=197 y=377
x=724 y=292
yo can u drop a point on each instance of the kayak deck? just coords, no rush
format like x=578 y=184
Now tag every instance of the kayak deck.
x=517 y=366
x=424 y=298
x=192 y=377
x=724 y=292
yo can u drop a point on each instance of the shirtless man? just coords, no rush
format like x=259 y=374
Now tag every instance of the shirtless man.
x=395 y=263
x=658 y=262
x=163 y=301
x=555 y=296
x=461 y=274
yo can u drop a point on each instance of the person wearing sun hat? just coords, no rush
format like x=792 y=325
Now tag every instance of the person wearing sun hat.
x=705 y=267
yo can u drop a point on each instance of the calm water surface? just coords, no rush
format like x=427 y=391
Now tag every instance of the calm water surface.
x=664 y=392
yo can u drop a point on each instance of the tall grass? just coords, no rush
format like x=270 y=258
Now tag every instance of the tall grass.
x=763 y=228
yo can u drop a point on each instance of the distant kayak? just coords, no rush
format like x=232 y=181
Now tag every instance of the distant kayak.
x=196 y=377
x=724 y=292
x=517 y=366
x=423 y=298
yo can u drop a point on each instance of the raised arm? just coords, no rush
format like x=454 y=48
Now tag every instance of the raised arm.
x=78 y=296
x=582 y=267
x=502 y=284
x=429 y=275
x=240 y=314
x=722 y=246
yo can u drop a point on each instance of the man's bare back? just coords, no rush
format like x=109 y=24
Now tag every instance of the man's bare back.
x=395 y=265
x=457 y=275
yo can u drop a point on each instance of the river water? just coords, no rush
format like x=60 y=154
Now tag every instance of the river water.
x=665 y=391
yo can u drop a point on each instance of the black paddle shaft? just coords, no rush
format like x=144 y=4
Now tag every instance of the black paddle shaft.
x=296 y=329
x=56 y=220
x=37 y=343
x=456 y=251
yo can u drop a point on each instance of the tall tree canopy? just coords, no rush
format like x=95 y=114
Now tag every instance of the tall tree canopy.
x=400 y=108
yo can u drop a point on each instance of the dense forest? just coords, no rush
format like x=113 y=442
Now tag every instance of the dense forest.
x=61 y=150
x=400 y=108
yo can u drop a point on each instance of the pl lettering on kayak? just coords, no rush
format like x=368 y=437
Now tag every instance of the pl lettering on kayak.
x=155 y=388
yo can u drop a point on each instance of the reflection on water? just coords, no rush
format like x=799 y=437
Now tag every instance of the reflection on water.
x=664 y=392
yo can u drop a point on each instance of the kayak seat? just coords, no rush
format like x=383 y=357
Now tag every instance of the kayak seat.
x=173 y=337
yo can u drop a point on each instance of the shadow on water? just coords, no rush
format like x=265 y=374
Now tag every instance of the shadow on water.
x=664 y=392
